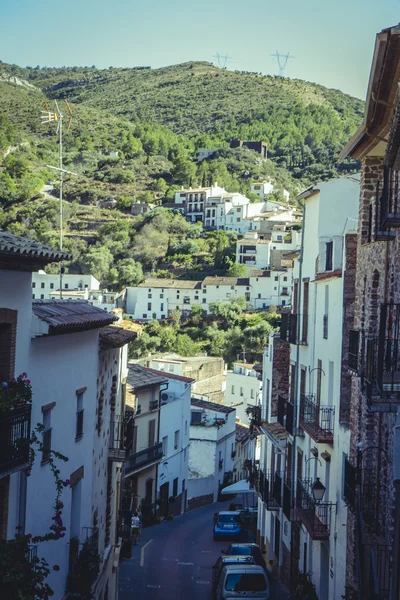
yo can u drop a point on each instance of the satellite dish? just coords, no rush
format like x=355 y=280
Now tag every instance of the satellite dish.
x=164 y=397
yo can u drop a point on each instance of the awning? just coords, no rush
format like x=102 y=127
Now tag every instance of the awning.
x=240 y=487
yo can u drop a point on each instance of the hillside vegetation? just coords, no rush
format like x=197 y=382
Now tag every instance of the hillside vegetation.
x=155 y=120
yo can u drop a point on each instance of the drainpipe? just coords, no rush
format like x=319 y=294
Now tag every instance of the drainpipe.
x=396 y=545
x=296 y=396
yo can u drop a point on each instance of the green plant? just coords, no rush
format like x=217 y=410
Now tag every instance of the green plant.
x=84 y=568
x=17 y=392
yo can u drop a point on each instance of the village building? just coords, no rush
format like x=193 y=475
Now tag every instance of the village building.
x=211 y=452
x=305 y=434
x=244 y=455
x=243 y=389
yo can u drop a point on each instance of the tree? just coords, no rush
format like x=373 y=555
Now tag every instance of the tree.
x=237 y=270
x=130 y=272
x=185 y=346
x=97 y=262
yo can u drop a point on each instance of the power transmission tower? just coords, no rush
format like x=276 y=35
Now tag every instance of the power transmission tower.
x=48 y=117
x=282 y=60
x=222 y=60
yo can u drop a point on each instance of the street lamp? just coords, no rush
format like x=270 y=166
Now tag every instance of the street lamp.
x=318 y=490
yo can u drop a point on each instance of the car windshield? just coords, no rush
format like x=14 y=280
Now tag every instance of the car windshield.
x=240 y=550
x=245 y=582
x=228 y=518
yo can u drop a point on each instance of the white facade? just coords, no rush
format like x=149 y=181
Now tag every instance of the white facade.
x=174 y=435
x=243 y=389
x=46 y=283
x=262 y=188
x=262 y=250
x=315 y=378
x=211 y=452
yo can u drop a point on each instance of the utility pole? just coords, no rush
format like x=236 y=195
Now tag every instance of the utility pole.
x=282 y=60
x=57 y=116
x=222 y=60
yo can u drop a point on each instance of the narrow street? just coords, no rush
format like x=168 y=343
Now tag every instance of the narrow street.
x=174 y=560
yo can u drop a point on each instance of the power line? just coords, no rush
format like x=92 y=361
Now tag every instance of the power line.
x=282 y=60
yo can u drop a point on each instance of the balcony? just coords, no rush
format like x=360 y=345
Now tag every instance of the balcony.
x=316 y=420
x=145 y=458
x=315 y=517
x=15 y=428
x=288 y=330
x=121 y=436
x=268 y=486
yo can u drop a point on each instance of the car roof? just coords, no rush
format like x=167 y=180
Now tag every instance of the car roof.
x=244 y=545
x=236 y=558
x=229 y=512
x=246 y=569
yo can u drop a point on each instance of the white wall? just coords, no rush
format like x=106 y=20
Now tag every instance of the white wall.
x=45 y=283
x=242 y=390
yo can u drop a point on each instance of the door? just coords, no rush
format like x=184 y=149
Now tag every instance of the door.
x=164 y=495
x=152 y=432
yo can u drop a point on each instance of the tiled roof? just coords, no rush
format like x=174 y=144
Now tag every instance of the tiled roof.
x=260 y=273
x=171 y=375
x=15 y=245
x=243 y=433
x=62 y=315
x=226 y=281
x=212 y=406
x=276 y=431
x=116 y=337
x=171 y=283
x=141 y=377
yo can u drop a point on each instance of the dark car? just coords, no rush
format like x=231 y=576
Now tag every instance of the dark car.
x=222 y=561
x=247 y=550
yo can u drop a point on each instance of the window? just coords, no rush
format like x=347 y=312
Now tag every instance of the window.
x=195 y=417
x=149 y=306
x=204 y=301
x=42 y=296
x=238 y=220
x=162 y=306
x=176 y=439
x=161 y=295
x=204 y=291
x=79 y=414
x=329 y=255
x=258 y=295
x=252 y=394
x=42 y=286
x=165 y=445
x=52 y=286
x=285 y=279
x=33 y=284
x=238 y=210
x=241 y=391
x=46 y=435
x=152 y=432
x=175 y=487
x=144 y=316
x=233 y=389
x=276 y=278
x=66 y=286
x=149 y=295
x=33 y=296
x=305 y=312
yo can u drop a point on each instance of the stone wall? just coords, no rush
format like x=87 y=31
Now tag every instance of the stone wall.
x=376 y=282
x=199 y=501
x=280 y=369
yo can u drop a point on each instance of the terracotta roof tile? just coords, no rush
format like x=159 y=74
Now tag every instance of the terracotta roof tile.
x=212 y=406
x=226 y=281
x=141 y=377
x=171 y=283
x=12 y=245
x=116 y=337
x=62 y=315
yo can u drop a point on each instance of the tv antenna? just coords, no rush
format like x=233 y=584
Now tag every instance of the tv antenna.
x=282 y=60
x=49 y=117
x=222 y=60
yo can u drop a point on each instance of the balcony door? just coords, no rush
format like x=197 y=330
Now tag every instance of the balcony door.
x=152 y=432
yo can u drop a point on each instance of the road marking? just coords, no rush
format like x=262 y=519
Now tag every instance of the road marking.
x=203 y=582
x=189 y=564
x=154 y=586
x=142 y=553
x=174 y=560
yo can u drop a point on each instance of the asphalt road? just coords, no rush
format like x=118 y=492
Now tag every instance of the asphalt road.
x=174 y=560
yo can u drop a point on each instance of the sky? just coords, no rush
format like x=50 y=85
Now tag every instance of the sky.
x=331 y=42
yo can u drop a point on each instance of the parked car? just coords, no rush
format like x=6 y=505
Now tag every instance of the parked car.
x=223 y=561
x=229 y=524
x=247 y=550
x=243 y=581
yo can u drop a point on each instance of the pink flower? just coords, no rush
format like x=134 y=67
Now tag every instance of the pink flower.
x=27 y=381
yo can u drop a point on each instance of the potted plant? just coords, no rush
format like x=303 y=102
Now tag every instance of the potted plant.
x=16 y=392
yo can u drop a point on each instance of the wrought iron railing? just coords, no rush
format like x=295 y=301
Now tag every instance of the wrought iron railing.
x=315 y=517
x=277 y=489
x=15 y=426
x=117 y=439
x=91 y=537
x=317 y=420
x=153 y=404
x=145 y=457
x=269 y=485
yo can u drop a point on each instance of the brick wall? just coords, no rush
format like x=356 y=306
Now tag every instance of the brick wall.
x=280 y=380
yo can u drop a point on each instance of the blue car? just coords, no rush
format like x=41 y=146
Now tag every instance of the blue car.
x=229 y=524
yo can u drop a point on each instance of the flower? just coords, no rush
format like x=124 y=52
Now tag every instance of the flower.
x=56 y=568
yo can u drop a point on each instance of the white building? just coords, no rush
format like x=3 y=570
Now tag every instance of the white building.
x=245 y=452
x=194 y=199
x=243 y=389
x=306 y=434
x=172 y=474
x=74 y=287
x=264 y=250
x=264 y=188
x=211 y=452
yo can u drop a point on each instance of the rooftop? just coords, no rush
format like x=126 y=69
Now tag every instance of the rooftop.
x=170 y=283
x=226 y=281
x=142 y=378
x=171 y=375
x=275 y=431
x=243 y=433
x=260 y=273
x=116 y=337
x=17 y=247
x=212 y=406
x=67 y=315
